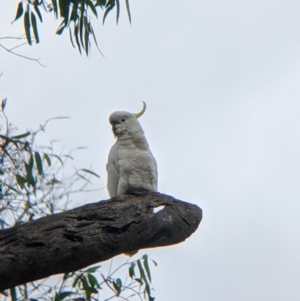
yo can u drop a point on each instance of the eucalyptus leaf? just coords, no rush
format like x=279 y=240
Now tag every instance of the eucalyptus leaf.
x=92 y=269
x=76 y=37
x=117 y=10
x=92 y=280
x=146 y=266
x=20 y=11
x=39 y=163
x=20 y=180
x=37 y=10
x=128 y=10
x=62 y=295
x=58 y=158
x=109 y=6
x=131 y=270
x=47 y=158
x=21 y=136
x=92 y=7
x=90 y=172
x=54 y=5
x=34 y=26
x=27 y=27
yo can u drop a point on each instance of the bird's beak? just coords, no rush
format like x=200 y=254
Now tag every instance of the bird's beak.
x=114 y=128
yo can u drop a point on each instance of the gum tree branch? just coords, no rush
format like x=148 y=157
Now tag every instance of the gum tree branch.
x=95 y=232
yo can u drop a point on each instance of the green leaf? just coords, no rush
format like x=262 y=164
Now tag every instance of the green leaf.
x=64 y=7
x=61 y=28
x=21 y=136
x=109 y=6
x=90 y=29
x=74 y=13
x=147 y=289
x=92 y=269
x=146 y=266
x=92 y=7
x=119 y=282
x=62 y=295
x=140 y=281
x=81 y=29
x=84 y=281
x=148 y=292
x=154 y=262
x=54 y=5
x=131 y=270
x=117 y=286
x=39 y=163
x=76 y=37
x=142 y=273
x=34 y=26
x=20 y=180
x=75 y=282
x=30 y=163
x=86 y=40
x=36 y=8
x=117 y=10
x=100 y=3
x=58 y=158
x=90 y=172
x=20 y=11
x=27 y=27
x=70 y=32
x=92 y=280
x=47 y=159
x=90 y=290
x=29 y=176
x=84 y=178
x=128 y=10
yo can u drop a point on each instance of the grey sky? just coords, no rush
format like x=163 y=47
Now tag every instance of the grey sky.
x=221 y=81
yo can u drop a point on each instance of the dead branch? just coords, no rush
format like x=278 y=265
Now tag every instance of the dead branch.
x=95 y=232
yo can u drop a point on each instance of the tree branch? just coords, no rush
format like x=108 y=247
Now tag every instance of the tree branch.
x=10 y=50
x=95 y=232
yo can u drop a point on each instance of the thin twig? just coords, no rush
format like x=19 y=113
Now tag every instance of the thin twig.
x=17 y=46
x=22 y=37
x=22 y=56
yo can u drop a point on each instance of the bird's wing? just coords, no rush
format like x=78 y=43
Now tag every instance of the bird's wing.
x=112 y=173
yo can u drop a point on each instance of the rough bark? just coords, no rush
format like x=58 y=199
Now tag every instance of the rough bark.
x=95 y=232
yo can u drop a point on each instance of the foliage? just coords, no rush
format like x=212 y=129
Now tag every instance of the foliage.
x=75 y=15
x=33 y=179
x=34 y=183
x=85 y=285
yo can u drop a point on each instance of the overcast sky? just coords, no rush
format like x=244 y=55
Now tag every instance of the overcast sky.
x=221 y=82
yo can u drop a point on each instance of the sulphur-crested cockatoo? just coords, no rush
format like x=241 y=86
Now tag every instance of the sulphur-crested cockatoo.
x=131 y=167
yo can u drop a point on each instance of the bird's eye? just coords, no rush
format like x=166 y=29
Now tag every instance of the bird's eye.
x=123 y=120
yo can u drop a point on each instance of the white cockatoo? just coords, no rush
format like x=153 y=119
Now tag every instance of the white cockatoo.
x=131 y=167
